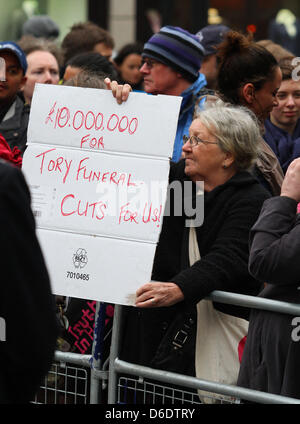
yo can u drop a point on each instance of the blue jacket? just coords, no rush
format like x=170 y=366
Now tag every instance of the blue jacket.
x=189 y=98
x=285 y=146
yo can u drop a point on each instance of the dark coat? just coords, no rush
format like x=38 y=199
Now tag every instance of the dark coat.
x=26 y=303
x=279 y=35
x=230 y=211
x=270 y=360
x=14 y=129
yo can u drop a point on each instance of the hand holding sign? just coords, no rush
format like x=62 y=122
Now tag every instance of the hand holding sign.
x=158 y=294
x=120 y=92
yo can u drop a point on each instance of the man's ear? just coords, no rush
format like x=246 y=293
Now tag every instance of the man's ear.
x=22 y=83
x=248 y=93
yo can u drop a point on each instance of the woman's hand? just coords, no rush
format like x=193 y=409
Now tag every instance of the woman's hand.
x=158 y=294
x=119 y=91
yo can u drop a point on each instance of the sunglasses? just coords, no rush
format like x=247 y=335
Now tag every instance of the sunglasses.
x=149 y=63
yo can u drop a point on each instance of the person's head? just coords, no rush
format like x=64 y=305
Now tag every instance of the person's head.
x=286 y=114
x=128 y=62
x=87 y=37
x=275 y=49
x=41 y=26
x=210 y=37
x=171 y=61
x=86 y=79
x=15 y=70
x=248 y=74
x=223 y=141
x=43 y=58
x=90 y=62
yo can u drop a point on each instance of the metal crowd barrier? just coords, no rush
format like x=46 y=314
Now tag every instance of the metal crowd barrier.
x=76 y=378
x=67 y=381
x=118 y=367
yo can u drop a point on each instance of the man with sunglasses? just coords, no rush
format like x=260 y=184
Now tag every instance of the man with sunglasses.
x=171 y=62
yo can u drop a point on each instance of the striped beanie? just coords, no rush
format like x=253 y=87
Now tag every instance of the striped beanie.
x=178 y=49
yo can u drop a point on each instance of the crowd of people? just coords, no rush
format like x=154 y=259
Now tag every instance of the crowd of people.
x=238 y=131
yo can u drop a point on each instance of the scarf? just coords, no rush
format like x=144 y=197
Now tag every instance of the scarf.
x=11 y=155
x=285 y=146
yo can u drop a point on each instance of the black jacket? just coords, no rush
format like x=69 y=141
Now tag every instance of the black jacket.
x=275 y=243
x=229 y=212
x=270 y=360
x=26 y=303
x=14 y=125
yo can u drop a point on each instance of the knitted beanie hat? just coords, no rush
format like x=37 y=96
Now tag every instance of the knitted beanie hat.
x=178 y=49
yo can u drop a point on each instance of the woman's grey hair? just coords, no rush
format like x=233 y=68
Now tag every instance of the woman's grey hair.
x=236 y=129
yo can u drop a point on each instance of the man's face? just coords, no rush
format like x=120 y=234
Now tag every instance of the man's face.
x=15 y=79
x=42 y=68
x=104 y=50
x=159 y=78
x=210 y=70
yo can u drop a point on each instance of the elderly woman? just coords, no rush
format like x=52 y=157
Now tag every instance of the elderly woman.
x=220 y=150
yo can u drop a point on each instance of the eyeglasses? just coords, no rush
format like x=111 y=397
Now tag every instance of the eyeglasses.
x=194 y=140
x=149 y=63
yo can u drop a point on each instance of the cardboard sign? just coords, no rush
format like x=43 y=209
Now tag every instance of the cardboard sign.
x=98 y=175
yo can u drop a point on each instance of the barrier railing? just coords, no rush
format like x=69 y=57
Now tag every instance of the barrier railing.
x=107 y=374
x=118 y=366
